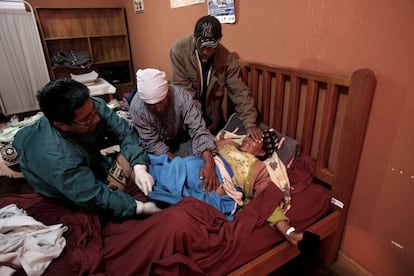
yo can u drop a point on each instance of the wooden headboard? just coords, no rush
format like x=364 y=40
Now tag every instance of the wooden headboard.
x=328 y=115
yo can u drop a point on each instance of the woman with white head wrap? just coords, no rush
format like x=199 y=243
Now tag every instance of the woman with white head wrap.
x=152 y=85
x=168 y=122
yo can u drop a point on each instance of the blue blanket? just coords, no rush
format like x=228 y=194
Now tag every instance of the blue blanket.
x=180 y=177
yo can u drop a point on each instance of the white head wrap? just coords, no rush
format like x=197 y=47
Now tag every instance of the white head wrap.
x=152 y=85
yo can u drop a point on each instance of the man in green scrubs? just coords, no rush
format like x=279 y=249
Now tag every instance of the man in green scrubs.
x=63 y=156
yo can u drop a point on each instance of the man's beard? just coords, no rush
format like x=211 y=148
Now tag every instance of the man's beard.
x=166 y=120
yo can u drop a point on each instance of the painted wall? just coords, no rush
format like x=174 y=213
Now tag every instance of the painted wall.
x=327 y=36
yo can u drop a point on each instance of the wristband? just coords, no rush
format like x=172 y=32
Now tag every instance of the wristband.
x=290 y=230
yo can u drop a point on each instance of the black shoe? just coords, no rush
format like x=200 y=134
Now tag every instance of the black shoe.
x=309 y=246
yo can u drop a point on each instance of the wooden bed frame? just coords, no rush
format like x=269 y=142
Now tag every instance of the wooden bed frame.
x=328 y=115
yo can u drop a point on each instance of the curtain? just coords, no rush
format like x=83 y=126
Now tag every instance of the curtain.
x=23 y=69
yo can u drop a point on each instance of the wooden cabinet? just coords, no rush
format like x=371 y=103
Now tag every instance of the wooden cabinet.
x=91 y=39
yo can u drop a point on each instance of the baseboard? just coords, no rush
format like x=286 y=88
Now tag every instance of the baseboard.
x=346 y=263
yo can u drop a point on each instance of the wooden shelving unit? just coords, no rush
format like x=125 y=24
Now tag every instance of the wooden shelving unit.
x=102 y=33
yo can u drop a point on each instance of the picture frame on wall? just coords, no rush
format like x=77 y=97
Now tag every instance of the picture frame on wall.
x=138 y=6
x=223 y=10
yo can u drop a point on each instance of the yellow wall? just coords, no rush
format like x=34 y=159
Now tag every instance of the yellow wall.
x=328 y=36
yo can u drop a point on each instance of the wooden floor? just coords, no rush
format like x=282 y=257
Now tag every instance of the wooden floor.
x=303 y=267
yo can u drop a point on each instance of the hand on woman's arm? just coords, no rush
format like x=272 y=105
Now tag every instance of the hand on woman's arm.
x=208 y=173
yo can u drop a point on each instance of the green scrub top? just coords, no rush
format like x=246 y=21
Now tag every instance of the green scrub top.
x=59 y=168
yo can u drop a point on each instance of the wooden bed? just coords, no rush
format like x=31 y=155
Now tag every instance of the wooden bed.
x=328 y=115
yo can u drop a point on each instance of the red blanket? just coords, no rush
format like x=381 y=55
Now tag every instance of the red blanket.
x=190 y=237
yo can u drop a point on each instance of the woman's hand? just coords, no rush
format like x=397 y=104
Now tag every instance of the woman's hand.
x=208 y=173
x=170 y=155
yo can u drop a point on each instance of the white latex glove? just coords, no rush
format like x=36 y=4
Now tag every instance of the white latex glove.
x=140 y=207
x=143 y=179
x=147 y=208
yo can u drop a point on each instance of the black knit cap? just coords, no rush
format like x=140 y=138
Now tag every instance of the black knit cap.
x=207 y=32
x=270 y=142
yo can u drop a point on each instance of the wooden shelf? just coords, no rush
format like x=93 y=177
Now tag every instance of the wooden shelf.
x=77 y=37
x=100 y=33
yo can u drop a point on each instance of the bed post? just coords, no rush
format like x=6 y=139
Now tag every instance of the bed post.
x=361 y=90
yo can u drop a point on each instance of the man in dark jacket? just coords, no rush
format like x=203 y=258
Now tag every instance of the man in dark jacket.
x=205 y=68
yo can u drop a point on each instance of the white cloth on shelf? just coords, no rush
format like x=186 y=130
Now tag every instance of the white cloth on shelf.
x=87 y=78
x=97 y=86
x=101 y=87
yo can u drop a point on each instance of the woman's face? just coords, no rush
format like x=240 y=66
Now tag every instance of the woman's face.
x=159 y=107
x=250 y=146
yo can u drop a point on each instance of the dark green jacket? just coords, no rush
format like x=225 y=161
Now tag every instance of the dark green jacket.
x=59 y=168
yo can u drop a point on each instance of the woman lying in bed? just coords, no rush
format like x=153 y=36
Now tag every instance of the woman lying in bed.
x=242 y=173
x=188 y=238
